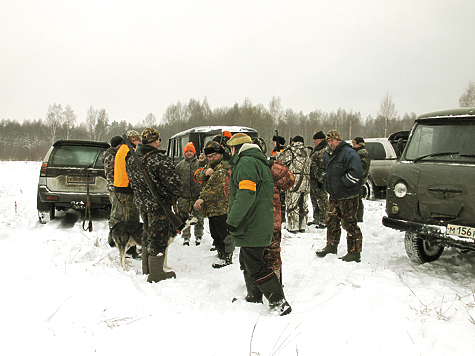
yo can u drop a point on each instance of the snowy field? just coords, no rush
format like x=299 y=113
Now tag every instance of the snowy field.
x=64 y=292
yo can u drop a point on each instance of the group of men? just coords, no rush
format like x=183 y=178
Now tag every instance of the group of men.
x=239 y=190
x=333 y=172
x=234 y=188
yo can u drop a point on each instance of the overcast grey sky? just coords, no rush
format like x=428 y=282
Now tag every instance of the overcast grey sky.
x=137 y=57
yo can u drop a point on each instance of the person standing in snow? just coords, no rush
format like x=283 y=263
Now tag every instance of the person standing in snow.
x=125 y=208
x=190 y=192
x=318 y=194
x=342 y=172
x=360 y=147
x=296 y=158
x=157 y=228
x=251 y=220
x=213 y=202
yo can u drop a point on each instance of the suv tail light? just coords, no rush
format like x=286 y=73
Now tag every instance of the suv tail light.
x=43 y=169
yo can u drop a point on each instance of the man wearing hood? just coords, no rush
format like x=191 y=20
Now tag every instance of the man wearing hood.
x=251 y=219
x=342 y=172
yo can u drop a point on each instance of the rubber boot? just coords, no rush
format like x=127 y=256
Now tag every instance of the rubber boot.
x=145 y=269
x=272 y=289
x=328 y=249
x=254 y=294
x=352 y=257
x=157 y=274
x=226 y=260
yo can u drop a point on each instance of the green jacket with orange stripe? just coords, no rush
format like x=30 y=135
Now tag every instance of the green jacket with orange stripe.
x=250 y=198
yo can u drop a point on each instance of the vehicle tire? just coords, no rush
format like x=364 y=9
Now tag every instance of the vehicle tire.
x=420 y=250
x=367 y=190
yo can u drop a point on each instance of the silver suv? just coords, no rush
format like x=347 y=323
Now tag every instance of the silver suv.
x=71 y=171
x=431 y=195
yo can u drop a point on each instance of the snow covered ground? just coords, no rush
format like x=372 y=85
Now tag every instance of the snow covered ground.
x=64 y=292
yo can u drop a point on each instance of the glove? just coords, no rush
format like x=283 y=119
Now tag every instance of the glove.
x=231 y=228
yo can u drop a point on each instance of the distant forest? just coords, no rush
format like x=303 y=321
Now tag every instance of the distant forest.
x=30 y=140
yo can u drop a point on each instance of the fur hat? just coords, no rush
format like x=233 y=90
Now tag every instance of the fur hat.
x=133 y=135
x=261 y=143
x=213 y=147
x=190 y=147
x=279 y=139
x=358 y=140
x=116 y=141
x=238 y=139
x=334 y=134
x=298 y=139
x=319 y=135
x=150 y=135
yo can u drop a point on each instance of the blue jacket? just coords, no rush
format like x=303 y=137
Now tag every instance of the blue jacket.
x=342 y=170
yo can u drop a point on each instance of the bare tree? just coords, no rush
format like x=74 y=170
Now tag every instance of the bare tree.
x=388 y=112
x=276 y=110
x=150 y=120
x=468 y=98
x=54 y=120
x=101 y=126
x=91 y=122
x=69 y=120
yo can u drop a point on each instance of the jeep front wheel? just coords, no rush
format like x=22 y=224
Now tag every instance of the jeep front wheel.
x=420 y=250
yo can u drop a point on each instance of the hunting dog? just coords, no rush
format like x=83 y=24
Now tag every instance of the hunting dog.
x=126 y=234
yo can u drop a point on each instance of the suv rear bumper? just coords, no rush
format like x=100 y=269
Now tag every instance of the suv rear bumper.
x=433 y=233
x=75 y=201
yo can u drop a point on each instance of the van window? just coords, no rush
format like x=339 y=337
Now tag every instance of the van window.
x=443 y=142
x=376 y=150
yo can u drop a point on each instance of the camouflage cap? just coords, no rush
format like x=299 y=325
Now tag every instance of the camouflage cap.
x=334 y=134
x=150 y=135
x=261 y=143
x=238 y=139
x=358 y=140
x=133 y=135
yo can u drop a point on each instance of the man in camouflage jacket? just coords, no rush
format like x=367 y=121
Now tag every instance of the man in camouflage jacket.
x=213 y=202
x=191 y=190
x=359 y=145
x=157 y=228
x=296 y=158
x=318 y=194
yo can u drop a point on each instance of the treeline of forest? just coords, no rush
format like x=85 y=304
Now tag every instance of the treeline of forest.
x=30 y=140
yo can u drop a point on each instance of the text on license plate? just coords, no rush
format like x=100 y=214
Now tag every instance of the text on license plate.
x=463 y=231
x=80 y=179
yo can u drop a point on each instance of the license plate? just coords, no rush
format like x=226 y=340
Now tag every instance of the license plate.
x=462 y=231
x=80 y=179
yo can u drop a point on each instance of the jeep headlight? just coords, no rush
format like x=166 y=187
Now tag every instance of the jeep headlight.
x=400 y=190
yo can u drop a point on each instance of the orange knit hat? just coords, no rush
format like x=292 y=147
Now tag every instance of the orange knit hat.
x=190 y=147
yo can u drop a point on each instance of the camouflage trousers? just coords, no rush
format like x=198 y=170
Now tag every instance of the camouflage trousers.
x=297 y=210
x=272 y=258
x=342 y=213
x=157 y=232
x=185 y=209
x=319 y=198
x=122 y=208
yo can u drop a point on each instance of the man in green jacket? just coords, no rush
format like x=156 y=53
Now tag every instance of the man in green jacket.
x=251 y=219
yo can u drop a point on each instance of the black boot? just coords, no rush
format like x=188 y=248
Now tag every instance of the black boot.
x=226 y=259
x=272 y=289
x=352 y=257
x=145 y=269
x=328 y=249
x=157 y=274
x=254 y=294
